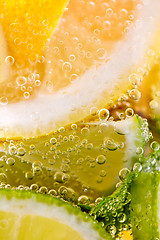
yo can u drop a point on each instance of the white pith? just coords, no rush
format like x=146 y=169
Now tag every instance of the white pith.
x=131 y=136
x=46 y=113
x=57 y=213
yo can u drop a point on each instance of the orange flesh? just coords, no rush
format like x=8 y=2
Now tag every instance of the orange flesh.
x=27 y=25
x=126 y=235
x=85 y=37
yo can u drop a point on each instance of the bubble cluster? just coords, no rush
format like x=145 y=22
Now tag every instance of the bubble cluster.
x=75 y=161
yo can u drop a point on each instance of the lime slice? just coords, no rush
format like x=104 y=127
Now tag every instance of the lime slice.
x=86 y=157
x=25 y=215
x=145 y=206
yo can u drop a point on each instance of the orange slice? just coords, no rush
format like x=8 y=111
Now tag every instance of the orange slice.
x=27 y=27
x=93 y=57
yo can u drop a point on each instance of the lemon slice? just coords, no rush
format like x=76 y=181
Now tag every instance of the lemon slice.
x=25 y=215
x=86 y=158
x=119 y=35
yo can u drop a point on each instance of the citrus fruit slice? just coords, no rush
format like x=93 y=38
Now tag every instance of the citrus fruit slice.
x=4 y=68
x=28 y=27
x=87 y=157
x=149 y=105
x=91 y=58
x=26 y=215
x=27 y=30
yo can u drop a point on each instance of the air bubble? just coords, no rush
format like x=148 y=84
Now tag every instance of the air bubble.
x=137 y=167
x=85 y=131
x=37 y=171
x=135 y=94
x=37 y=83
x=129 y=112
x=139 y=151
x=52 y=192
x=123 y=173
x=34 y=187
x=43 y=190
x=12 y=150
x=154 y=146
x=89 y=146
x=21 y=80
x=9 y=60
x=53 y=141
x=122 y=217
x=26 y=95
x=109 y=12
x=29 y=175
x=110 y=145
x=67 y=67
x=3 y=178
x=101 y=53
x=153 y=104
x=58 y=177
x=101 y=159
x=74 y=77
x=21 y=151
x=10 y=161
x=98 y=200
x=103 y=114
x=61 y=129
x=134 y=79
x=3 y=101
x=37 y=164
x=74 y=126
x=102 y=173
x=72 y=58
x=83 y=199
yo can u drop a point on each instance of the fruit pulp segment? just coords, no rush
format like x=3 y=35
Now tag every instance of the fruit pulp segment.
x=14 y=226
x=79 y=160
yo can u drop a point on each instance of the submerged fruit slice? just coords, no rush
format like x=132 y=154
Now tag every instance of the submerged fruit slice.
x=90 y=60
x=4 y=68
x=145 y=206
x=27 y=30
x=149 y=105
x=87 y=157
x=25 y=215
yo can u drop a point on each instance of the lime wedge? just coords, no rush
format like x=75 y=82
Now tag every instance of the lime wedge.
x=25 y=215
x=86 y=157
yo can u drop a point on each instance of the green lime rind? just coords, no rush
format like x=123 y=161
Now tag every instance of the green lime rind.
x=109 y=210
x=140 y=127
x=52 y=201
x=144 y=204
